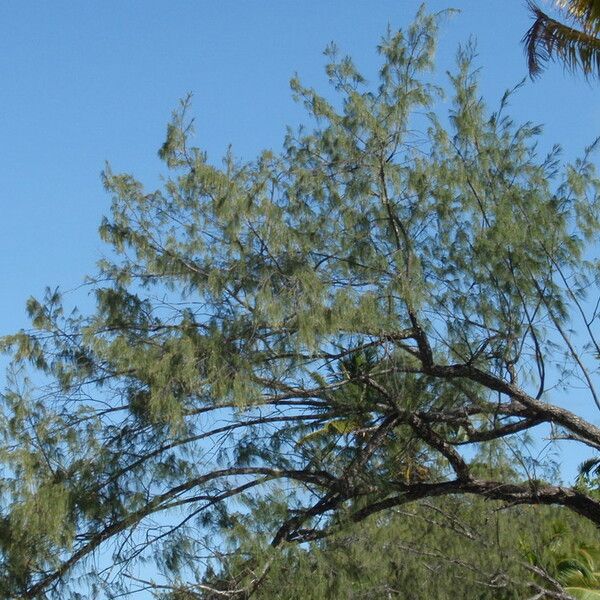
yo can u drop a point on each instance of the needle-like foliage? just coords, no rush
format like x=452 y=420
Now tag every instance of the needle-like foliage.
x=316 y=336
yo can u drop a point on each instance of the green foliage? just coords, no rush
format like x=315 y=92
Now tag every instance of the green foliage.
x=568 y=555
x=443 y=550
x=282 y=348
x=589 y=474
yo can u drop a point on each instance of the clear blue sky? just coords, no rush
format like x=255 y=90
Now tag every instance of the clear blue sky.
x=85 y=82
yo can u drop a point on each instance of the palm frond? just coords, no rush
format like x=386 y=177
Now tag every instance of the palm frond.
x=336 y=427
x=586 y=12
x=573 y=571
x=589 y=466
x=581 y=593
x=549 y=39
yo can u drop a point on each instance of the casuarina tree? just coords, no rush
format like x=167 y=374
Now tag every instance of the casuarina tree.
x=321 y=334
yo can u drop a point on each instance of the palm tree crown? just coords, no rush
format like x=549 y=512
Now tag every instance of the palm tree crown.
x=576 y=45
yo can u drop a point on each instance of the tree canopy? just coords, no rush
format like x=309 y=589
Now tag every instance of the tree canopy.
x=317 y=336
x=442 y=548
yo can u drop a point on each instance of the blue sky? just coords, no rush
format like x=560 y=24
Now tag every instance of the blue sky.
x=86 y=82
